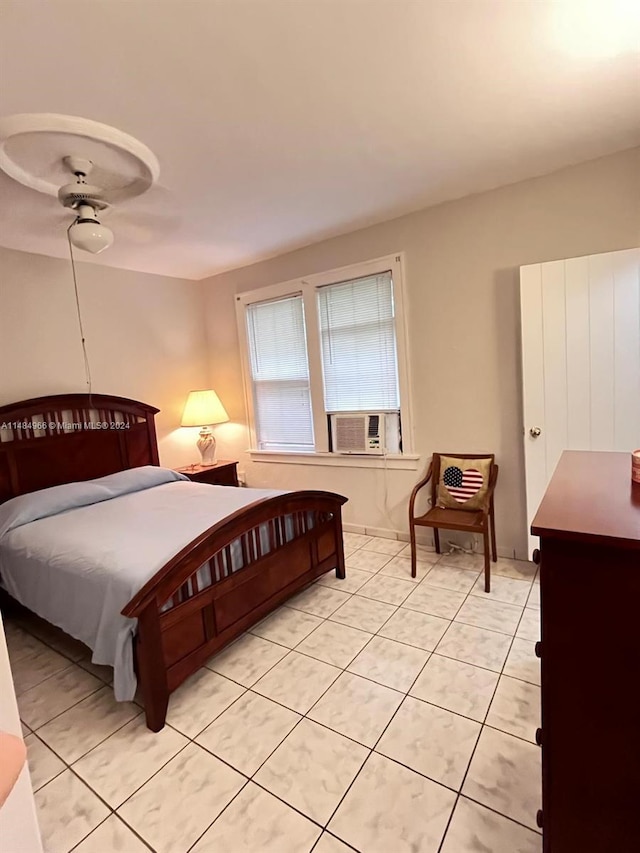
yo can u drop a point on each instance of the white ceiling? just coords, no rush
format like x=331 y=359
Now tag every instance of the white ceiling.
x=280 y=122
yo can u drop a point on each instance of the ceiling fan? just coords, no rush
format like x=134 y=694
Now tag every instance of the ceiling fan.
x=86 y=200
x=106 y=167
x=93 y=196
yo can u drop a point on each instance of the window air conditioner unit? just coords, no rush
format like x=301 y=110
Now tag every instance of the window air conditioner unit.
x=365 y=432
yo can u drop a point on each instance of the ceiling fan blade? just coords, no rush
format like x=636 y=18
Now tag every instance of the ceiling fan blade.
x=141 y=226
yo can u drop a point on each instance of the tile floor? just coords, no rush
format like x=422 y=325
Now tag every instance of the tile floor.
x=376 y=714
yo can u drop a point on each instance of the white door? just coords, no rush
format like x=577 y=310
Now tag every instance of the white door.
x=580 y=361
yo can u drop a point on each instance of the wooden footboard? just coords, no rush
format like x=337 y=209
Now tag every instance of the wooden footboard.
x=201 y=600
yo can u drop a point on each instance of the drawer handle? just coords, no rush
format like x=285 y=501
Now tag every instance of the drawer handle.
x=539 y=737
x=539 y=818
x=538 y=649
x=536 y=556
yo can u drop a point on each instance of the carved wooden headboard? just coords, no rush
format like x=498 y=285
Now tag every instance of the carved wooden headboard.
x=68 y=437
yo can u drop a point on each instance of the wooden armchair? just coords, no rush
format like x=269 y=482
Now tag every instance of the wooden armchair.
x=477 y=520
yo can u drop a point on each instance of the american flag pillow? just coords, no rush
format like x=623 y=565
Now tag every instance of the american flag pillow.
x=463 y=482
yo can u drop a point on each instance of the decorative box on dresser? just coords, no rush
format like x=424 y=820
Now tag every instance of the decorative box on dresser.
x=589 y=529
x=223 y=473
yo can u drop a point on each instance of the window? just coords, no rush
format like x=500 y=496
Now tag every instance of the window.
x=359 y=358
x=280 y=374
x=326 y=344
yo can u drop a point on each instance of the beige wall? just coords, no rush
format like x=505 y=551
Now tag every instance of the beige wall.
x=462 y=261
x=145 y=338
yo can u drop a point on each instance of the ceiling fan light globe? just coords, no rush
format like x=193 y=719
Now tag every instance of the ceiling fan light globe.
x=91 y=236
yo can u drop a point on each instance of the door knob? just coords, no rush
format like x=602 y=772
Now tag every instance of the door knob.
x=534 y=432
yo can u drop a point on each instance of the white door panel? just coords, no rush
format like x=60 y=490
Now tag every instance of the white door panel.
x=554 y=345
x=601 y=336
x=580 y=360
x=576 y=276
x=533 y=384
x=626 y=351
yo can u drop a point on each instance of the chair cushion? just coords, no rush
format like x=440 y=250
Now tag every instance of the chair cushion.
x=463 y=482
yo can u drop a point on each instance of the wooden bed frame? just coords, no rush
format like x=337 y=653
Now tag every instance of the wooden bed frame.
x=181 y=622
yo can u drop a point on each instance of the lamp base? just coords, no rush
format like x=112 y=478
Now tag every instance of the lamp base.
x=206 y=444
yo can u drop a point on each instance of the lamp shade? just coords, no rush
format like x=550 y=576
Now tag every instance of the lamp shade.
x=203 y=408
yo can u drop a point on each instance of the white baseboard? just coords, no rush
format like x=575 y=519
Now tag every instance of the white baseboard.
x=425 y=538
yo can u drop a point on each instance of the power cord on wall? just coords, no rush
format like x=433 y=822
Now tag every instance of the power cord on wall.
x=455 y=546
x=87 y=366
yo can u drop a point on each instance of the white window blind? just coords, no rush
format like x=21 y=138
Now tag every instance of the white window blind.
x=280 y=374
x=359 y=358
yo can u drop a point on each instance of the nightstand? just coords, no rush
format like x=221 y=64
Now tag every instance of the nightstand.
x=223 y=473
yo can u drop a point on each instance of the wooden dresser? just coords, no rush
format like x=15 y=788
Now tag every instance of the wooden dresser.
x=589 y=528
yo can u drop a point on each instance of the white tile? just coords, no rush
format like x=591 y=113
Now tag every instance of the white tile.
x=505 y=775
x=427 y=553
x=522 y=662
x=383 y=546
x=415 y=629
x=319 y=600
x=44 y=765
x=435 y=601
x=112 y=836
x=367 y=561
x=517 y=569
x=533 y=600
x=529 y=627
x=391 y=808
x=354 y=579
x=20 y=643
x=400 y=567
x=248 y=732
x=493 y=615
x=178 y=804
x=474 y=829
x=363 y=613
x=312 y=769
x=355 y=540
x=390 y=663
x=67 y=812
x=35 y=666
x=297 y=681
x=329 y=844
x=121 y=764
x=286 y=626
x=516 y=708
x=55 y=637
x=475 y=645
x=198 y=701
x=55 y=695
x=457 y=686
x=507 y=590
x=62 y=642
x=451 y=577
x=104 y=673
x=334 y=643
x=84 y=726
x=247 y=660
x=433 y=741
x=357 y=708
x=388 y=589
x=257 y=822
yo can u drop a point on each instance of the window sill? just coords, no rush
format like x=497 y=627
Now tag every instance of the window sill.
x=393 y=462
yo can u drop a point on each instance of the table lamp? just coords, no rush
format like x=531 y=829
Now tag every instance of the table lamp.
x=202 y=409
